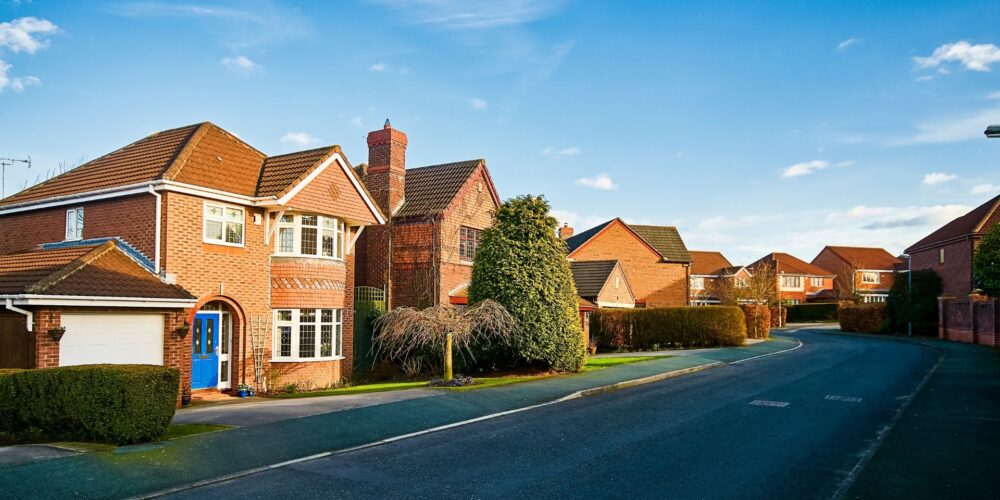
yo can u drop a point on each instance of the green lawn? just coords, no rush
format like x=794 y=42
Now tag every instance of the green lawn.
x=601 y=363
x=355 y=389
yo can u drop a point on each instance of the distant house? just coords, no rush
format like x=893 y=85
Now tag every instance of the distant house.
x=865 y=273
x=798 y=281
x=709 y=271
x=600 y=283
x=653 y=258
x=423 y=255
x=949 y=250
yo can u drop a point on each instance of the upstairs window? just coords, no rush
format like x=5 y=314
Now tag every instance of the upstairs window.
x=224 y=224
x=468 y=243
x=741 y=282
x=940 y=256
x=312 y=235
x=697 y=283
x=791 y=282
x=816 y=282
x=870 y=278
x=74 y=224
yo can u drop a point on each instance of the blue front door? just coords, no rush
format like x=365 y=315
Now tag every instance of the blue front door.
x=205 y=355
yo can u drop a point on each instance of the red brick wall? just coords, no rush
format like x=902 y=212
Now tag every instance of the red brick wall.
x=473 y=207
x=332 y=193
x=414 y=255
x=956 y=272
x=130 y=218
x=301 y=282
x=616 y=294
x=661 y=284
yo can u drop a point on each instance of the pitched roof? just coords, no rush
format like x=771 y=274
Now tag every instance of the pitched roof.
x=708 y=263
x=788 y=264
x=664 y=240
x=865 y=257
x=590 y=276
x=92 y=270
x=431 y=189
x=975 y=222
x=281 y=172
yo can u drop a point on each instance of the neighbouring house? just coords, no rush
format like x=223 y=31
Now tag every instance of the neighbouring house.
x=600 y=283
x=423 y=255
x=949 y=250
x=192 y=249
x=798 y=281
x=709 y=272
x=863 y=273
x=653 y=258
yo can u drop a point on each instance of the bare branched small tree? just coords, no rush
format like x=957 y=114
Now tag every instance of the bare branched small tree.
x=405 y=331
x=759 y=288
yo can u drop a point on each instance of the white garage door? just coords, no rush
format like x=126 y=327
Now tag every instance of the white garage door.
x=111 y=338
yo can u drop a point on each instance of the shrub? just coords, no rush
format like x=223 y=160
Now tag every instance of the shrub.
x=778 y=321
x=521 y=264
x=986 y=262
x=864 y=318
x=920 y=307
x=119 y=404
x=758 y=320
x=812 y=313
x=697 y=326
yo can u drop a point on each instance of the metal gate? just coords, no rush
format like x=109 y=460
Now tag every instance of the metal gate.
x=369 y=303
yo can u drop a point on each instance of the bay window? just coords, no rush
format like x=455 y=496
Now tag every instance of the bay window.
x=311 y=235
x=308 y=334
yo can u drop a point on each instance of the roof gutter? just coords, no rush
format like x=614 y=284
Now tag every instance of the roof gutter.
x=30 y=316
x=28 y=299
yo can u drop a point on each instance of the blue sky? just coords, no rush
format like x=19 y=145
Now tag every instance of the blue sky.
x=752 y=126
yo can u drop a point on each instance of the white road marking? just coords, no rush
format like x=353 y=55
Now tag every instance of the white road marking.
x=769 y=354
x=846 y=399
x=764 y=402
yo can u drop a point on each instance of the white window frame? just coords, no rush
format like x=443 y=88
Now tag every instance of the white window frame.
x=865 y=275
x=940 y=256
x=206 y=218
x=337 y=350
x=338 y=232
x=741 y=282
x=875 y=299
x=697 y=283
x=816 y=282
x=797 y=279
x=74 y=224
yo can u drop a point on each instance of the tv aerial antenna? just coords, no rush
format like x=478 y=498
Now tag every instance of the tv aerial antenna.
x=8 y=162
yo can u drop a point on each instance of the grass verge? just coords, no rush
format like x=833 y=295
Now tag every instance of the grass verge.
x=181 y=430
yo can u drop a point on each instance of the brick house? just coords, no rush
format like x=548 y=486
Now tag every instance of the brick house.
x=653 y=258
x=709 y=271
x=863 y=273
x=249 y=239
x=600 y=283
x=949 y=250
x=423 y=255
x=798 y=281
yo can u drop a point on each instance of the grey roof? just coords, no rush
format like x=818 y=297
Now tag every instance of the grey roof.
x=590 y=276
x=430 y=189
x=575 y=241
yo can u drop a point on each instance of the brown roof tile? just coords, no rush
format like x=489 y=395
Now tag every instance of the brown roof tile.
x=283 y=171
x=708 y=263
x=590 y=276
x=219 y=160
x=430 y=190
x=21 y=270
x=976 y=221
x=791 y=265
x=865 y=257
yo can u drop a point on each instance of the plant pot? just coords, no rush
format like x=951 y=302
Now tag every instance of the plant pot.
x=242 y=393
x=57 y=332
x=592 y=349
x=182 y=331
x=185 y=400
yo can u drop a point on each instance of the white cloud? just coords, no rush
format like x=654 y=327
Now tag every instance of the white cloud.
x=974 y=57
x=299 y=139
x=847 y=43
x=965 y=127
x=377 y=67
x=478 y=104
x=26 y=34
x=600 y=181
x=242 y=64
x=473 y=14
x=805 y=168
x=577 y=221
x=925 y=78
x=560 y=153
x=985 y=189
x=935 y=178
x=15 y=84
x=896 y=217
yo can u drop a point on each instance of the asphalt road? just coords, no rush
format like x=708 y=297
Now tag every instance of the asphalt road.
x=792 y=425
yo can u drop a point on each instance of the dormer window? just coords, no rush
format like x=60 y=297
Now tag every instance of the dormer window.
x=74 y=224
x=311 y=235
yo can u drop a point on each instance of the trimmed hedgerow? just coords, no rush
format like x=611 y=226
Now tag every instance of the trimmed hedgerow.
x=119 y=404
x=521 y=263
x=812 y=313
x=775 y=323
x=986 y=262
x=918 y=304
x=864 y=318
x=638 y=329
x=758 y=320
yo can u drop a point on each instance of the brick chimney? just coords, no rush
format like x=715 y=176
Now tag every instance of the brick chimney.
x=386 y=172
x=565 y=232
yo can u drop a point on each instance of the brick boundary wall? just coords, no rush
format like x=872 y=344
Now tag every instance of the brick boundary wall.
x=972 y=320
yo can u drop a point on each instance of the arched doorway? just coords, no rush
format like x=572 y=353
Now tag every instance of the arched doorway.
x=217 y=323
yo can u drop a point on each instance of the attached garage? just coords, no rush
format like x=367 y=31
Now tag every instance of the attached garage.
x=111 y=338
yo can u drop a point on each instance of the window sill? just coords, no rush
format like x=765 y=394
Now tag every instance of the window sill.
x=465 y=263
x=306 y=360
x=223 y=243
x=305 y=256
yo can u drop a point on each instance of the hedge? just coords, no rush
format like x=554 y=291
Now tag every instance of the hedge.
x=918 y=304
x=812 y=313
x=774 y=316
x=758 y=320
x=865 y=318
x=696 y=326
x=119 y=404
